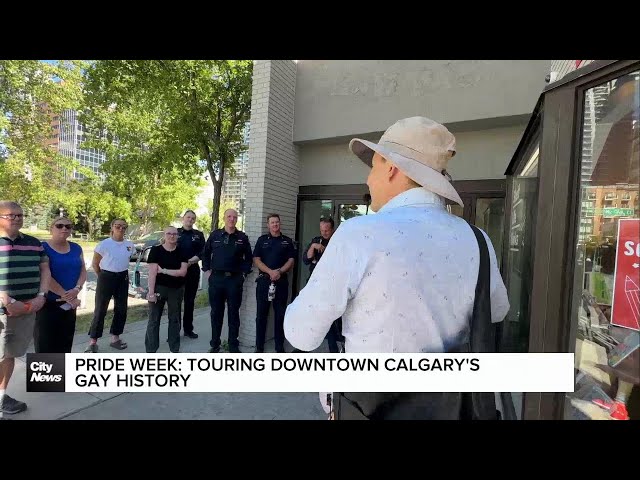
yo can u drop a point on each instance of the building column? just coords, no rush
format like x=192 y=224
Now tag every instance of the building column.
x=272 y=172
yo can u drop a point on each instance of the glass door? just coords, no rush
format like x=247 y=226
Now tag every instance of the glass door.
x=606 y=307
x=347 y=211
x=311 y=211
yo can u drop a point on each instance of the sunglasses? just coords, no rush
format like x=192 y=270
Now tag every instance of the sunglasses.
x=13 y=216
x=66 y=226
x=120 y=227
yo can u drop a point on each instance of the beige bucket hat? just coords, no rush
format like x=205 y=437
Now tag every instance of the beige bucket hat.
x=420 y=148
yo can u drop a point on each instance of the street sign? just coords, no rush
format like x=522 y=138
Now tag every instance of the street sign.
x=617 y=212
x=625 y=305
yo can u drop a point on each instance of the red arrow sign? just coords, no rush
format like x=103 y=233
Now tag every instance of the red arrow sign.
x=625 y=308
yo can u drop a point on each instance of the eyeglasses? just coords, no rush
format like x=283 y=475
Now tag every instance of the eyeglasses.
x=13 y=216
x=66 y=226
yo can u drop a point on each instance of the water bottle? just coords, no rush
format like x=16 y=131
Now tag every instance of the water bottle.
x=272 y=291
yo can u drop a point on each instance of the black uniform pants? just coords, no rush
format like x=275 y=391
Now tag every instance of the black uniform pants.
x=173 y=298
x=192 y=281
x=110 y=285
x=225 y=290
x=55 y=328
x=279 y=309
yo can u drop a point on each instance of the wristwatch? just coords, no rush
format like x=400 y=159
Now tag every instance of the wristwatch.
x=42 y=294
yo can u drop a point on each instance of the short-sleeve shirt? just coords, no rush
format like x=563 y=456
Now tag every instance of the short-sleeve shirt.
x=115 y=255
x=274 y=251
x=20 y=261
x=65 y=267
x=169 y=260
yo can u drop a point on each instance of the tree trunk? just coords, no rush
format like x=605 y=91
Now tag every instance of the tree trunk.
x=217 y=194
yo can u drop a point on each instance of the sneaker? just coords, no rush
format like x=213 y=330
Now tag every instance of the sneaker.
x=11 y=406
x=619 y=411
x=191 y=335
x=92 y=348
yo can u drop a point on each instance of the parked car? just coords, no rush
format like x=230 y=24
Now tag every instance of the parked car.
x=149 y=240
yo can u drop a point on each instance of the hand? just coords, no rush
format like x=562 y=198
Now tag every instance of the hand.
x=274 y=275
x=37 y=303
x=70 y=295
x=207 y=274
x=16 y=309
x=319 y=247
x=151 y=297
x=75 y=303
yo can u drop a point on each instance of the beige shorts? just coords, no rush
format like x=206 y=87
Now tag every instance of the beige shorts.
x=16 y=334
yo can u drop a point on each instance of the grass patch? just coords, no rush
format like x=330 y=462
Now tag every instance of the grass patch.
x=135 y=313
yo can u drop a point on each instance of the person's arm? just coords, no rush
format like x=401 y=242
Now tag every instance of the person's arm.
x=181 y=272
x=152 y=272
x=333 y=284
x=95 y=262
x=198 y=256
x=247 y=257
x=309 y=253
x=72 y=294
x=206 y=254
x=498 y=292
x=45 y=279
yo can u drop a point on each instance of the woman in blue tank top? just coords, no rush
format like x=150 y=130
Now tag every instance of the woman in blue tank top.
x=56 y=321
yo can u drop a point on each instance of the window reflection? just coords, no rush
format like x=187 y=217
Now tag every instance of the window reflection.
x=606 y=281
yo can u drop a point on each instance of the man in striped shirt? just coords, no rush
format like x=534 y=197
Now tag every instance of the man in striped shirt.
x=24 y=281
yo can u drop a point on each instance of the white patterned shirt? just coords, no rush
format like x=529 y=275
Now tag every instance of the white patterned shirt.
x=403 y=280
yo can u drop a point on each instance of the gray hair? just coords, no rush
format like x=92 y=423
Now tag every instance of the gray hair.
x=9 y=205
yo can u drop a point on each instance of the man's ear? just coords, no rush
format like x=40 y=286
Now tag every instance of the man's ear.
x=392 y=171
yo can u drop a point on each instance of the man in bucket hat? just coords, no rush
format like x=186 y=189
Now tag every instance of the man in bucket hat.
x=403 y=280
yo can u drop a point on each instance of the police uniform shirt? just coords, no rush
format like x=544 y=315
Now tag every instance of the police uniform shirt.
x=274 y=251
x=227 y=252
x=191 y=243
x=316 y=254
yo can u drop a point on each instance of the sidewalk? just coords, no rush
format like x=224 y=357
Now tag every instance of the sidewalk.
x=162 y=406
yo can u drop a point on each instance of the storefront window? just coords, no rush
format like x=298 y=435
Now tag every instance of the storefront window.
x=606 y=306
x=515 y=333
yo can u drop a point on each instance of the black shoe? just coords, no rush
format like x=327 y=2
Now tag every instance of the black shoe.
x=258 y=350
x=11 y=406
x=214 y=349
x=191 y=334
x=234 y=349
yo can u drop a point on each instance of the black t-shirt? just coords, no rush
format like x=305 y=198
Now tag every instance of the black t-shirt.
x=170 y=261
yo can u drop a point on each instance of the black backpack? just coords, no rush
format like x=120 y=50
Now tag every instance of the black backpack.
x=433 y=405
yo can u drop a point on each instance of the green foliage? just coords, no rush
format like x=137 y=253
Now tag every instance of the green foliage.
x=179 y=116
x=30 y=93
x=88 y=203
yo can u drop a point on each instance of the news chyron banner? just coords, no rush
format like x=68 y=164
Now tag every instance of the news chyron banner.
x=314 y=372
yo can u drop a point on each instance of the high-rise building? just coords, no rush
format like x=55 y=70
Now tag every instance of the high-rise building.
x=71 y=135
x=234 y=188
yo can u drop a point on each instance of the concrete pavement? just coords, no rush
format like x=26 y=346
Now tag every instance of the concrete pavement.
x=165 y=406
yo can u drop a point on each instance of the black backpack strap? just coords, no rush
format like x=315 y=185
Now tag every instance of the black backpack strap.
x=481 y=405
x=483 y=333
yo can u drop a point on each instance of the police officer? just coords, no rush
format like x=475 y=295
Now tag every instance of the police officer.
x=191 y=245
x=274 y=255
x=312 y=256
x=226 y=263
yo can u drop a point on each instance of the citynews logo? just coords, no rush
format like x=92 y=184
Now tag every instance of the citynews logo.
x=45 y=372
